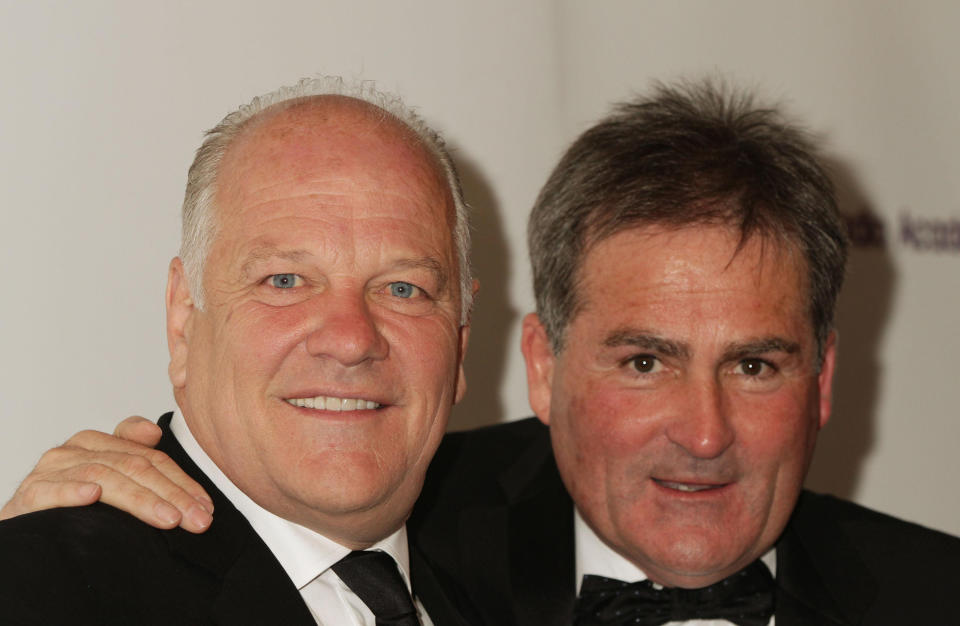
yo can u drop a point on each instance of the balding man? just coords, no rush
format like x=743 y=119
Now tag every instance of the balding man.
x=316 y=322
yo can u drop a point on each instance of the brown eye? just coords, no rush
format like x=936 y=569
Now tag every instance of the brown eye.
x=645 y=363
x=754 y=367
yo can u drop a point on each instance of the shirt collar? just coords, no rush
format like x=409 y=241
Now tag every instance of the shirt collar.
x=595 y=557
x=303 y=553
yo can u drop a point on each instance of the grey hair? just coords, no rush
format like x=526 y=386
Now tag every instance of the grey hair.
x=691 y=153
x=199 y=223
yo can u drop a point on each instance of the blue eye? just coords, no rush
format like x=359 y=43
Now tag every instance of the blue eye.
x=283 y=281
x=402 y=290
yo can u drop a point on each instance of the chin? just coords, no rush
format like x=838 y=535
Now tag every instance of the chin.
x=338 y=488
x=695 y=560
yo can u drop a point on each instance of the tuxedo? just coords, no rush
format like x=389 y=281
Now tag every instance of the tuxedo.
x=98 y=565
x=494 y=516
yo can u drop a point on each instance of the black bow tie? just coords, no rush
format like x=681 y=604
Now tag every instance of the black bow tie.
x=746 y=599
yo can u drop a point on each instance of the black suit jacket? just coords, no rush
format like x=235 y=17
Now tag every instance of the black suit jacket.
x=98 y=565
x=495 y=517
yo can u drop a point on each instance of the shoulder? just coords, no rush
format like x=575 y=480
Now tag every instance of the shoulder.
x=478 y=493
x=99 y=565
x=850 y=544
x=484 y=469
x=504 y=441
x=98 y=529
x=74 y=564
x=476 y=458
x=879 y=532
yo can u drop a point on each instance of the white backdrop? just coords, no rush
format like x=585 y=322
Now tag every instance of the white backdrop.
x=103 y=104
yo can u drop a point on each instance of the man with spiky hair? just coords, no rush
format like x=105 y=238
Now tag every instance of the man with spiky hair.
x=687 y=255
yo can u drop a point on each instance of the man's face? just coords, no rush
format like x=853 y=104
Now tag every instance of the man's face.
x=321 y=372
x=684 y=407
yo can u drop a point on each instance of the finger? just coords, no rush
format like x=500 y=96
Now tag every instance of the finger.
x=139 y=430
x=133 y=478
x=133 y=488
x=43 y=494
x=143 y=484
x=172 y=483
x=95 y=440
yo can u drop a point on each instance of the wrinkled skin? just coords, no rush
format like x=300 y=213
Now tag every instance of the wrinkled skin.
x=333 y=274
x=685 y=403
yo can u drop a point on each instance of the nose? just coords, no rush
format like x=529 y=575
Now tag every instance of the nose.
x=346 y=331
x=702 y=427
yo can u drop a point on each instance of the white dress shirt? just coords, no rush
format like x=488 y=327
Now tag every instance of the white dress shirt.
x=305 y=555
x=595 y=557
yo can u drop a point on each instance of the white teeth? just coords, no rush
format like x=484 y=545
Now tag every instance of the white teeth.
x=685 y=486
x=330 y=403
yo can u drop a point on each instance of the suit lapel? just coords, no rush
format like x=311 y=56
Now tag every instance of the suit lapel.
x=516 y=549
x=542 y=560
x=428 y=589
x=820 y=578
x=253 y=586
x=802 y=596
x=530 y=539
x=254 y=592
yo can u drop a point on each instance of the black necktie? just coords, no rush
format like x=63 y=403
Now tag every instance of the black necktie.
x=375 y=578
x=745 y=598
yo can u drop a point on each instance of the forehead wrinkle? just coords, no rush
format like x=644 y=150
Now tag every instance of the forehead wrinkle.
x=344 y=186
x=298 y=129
x=646 y=340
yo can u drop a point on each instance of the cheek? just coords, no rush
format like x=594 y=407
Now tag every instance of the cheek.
x=260 y=338
x=605 y=434
x=423 y=349
x=424 y=358
x=774 y=445
x=779 y=428
x=616 y=420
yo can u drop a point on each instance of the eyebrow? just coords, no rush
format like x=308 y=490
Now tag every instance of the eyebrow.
x=429 y=264
x=765 y=345
x=265 y=253
x=647 y=340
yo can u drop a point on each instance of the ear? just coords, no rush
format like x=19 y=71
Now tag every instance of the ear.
x=464 y=340
x=825 y=378
x=461 y=375
x=538 y=353
x=180 y=311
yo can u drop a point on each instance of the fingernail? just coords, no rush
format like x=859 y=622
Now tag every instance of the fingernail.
x=88 y=491
x=206 y=503
x=198 y=517
x=166 y=513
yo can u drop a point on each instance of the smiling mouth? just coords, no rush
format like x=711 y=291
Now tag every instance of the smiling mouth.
x=687 y=487
x=330 y=403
